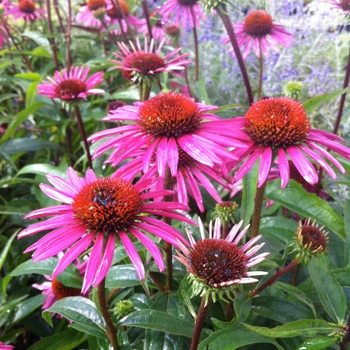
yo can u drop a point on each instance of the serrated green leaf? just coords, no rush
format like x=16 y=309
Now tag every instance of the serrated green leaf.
x=328 y=288
x=158 y=320
x=83 y=313
x=308 y=205
x=307 y=328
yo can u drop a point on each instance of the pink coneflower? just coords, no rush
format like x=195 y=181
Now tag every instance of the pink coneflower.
x=5 y=346
x=215 y=264
x=71 y=86
x=171 y=126
x=97 y=212
x=279 y=127
x=55 y=290
x=90 y=14
x=158 y=32
x=116 y=17
x=258 y=29
x=343 y=5
x=138 y=63
x=25 y=9
x=182 y=12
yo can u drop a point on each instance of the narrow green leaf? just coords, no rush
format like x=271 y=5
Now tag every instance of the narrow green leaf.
x=29 y=76
x=42 y=169
x=249 y=190
x=328 y=288
x=234 y=338
x=66 y=340
x=7 y=210
x=306 y=328
x=83 y=313
x=318 y=343
x=315 y=102
x=158 y=320
x=295 y=198
x=20 y=118
x=6 y=249
x=347 y=232
x=15 y=146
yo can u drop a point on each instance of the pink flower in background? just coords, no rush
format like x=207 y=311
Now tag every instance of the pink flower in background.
x=258 y=29
x=146 y=62
x=90 y=14
x=55 y=290
x=158 y=32
x=279 y=127
x=179 y=11
x=26 y=9
x=97 y=210
x=114 y=16
x=343 y=5
x=71 y=86
x=5 y=346
x=170 y=126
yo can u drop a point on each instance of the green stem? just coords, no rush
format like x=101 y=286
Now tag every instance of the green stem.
x=195 y=39
x=258 y=202
x=112 y=331
x=202 y=313
x=273 y=278
x=145 y=90
x=221 y=11
x=261 y=67
x=51 y=39
x=146 y=15
x=83 y=135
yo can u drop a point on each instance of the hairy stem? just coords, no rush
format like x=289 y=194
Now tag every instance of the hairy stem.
x=273 y=278
x=83 y=135
x=195 y=39
x=221 y=11
x=112 y=331
x=258 y=202
x=202 y=313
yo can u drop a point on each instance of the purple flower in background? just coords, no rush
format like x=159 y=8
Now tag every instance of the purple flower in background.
x=258 y=30
x=98 y=212
x=25 y=9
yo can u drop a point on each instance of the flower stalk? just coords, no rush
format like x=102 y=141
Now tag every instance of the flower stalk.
x=258 y=202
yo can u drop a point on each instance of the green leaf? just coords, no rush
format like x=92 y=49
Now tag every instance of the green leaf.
x=278 y=227
x=295 y=198
x=234 y=338
x=6 y=249
x=318 y=343
x=83 y=313
x=122 y=276
x=27 y=145
x=131 y=94
x=307 y=328
x=158 y=320
x=29 y=76
x=44 y=267
x=7 y=210
x=347 y=232
x=66 y=340
x=20 y=118
x=249 y=190
x=315 y=102
x=328 y=288
x=25 y=308
x=42 y=169
x=40 y=40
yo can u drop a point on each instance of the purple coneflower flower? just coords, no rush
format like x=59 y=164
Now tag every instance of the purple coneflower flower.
x=343 y=5
x=25 y=9
x=146 y=63
x=279 y=127
x=90 y=14
x=115 y=17
x=97 y=212
x=71 y=86
x=215 y=264
x=182 y=10
x=258 y=30
x=171 y=126
x=5 y=346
